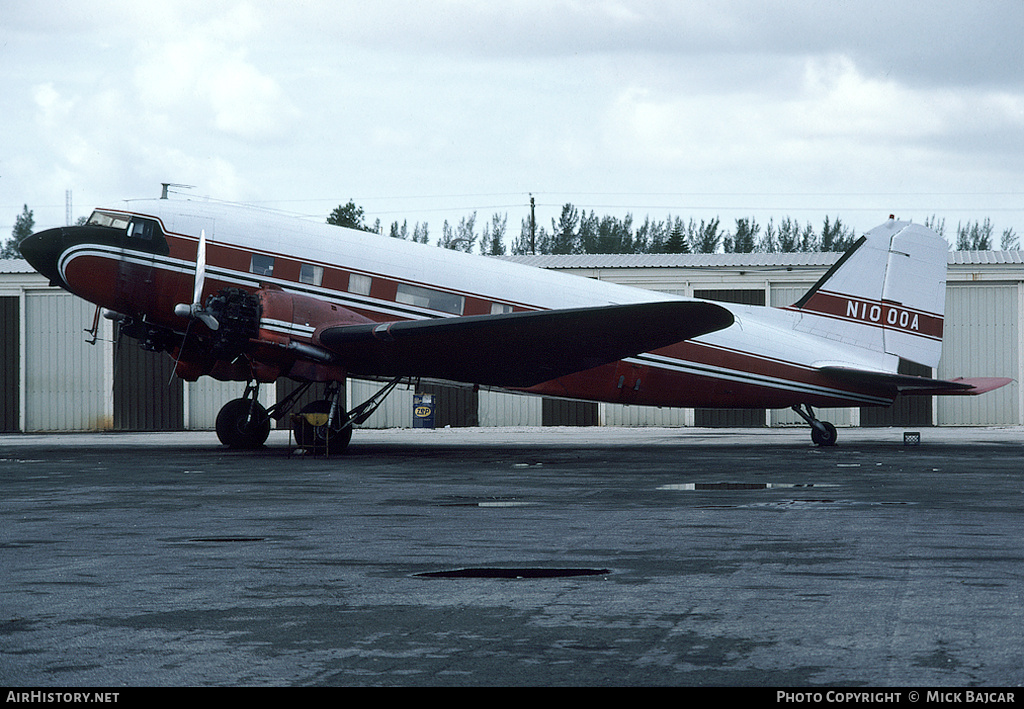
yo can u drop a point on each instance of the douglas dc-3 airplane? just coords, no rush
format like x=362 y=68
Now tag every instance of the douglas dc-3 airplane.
x=248 y=295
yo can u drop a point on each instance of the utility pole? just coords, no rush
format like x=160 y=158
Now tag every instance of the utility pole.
x=67 y=207
x=533 y=226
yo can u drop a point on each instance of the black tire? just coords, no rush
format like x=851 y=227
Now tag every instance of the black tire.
x=824 y=436
x=236 y=430
x=321 y=439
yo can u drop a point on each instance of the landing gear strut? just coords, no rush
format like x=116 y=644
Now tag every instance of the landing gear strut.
x=822 y=432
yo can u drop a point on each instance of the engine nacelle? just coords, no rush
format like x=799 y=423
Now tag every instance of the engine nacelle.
x=289 y=317
x=288 y=321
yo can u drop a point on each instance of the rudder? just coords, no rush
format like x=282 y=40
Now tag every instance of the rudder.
x=886 y=294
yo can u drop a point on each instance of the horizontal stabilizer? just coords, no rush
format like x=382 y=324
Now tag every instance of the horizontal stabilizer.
x=518 y=349
x=909 y=385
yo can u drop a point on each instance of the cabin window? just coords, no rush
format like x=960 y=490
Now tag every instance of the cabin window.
x=500 y=308
x=359 y=284
x=313 y=275
x=262 y=265
x=430 y=299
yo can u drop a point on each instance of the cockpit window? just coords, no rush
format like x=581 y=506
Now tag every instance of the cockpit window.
x=116 y=221
x=137 y=233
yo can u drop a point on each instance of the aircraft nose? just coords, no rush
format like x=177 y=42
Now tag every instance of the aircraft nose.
x=42 y=250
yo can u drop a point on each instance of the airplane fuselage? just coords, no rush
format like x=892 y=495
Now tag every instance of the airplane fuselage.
x=761 y=360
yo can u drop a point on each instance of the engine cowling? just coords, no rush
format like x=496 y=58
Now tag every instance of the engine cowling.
x=238 y=312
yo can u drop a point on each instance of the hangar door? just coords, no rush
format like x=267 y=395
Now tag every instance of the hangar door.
x=65 y=384
x=147 y=395
x=10 y=363
x=564 y=412
x=980 y=339
x=455 y=406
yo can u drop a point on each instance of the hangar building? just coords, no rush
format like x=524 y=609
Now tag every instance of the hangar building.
x=66 y=371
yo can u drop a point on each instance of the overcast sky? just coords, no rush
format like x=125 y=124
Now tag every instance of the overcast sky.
x=426 y=111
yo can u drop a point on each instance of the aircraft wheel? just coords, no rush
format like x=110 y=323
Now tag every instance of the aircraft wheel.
x=236 y=430
x=824 y=436
x=321 y=439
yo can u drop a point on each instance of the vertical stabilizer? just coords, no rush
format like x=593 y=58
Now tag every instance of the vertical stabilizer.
x=886 y=294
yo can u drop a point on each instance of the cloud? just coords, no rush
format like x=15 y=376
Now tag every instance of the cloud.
x=205 y=74
x=832 y=110
x=304 y=100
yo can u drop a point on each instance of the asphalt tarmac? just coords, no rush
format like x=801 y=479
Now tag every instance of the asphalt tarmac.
x=511 y=557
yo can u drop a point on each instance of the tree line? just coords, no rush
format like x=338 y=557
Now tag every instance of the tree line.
x=579 y=232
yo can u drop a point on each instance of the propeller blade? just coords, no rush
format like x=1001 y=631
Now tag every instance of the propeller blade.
x=195 y=310
x=197 y=293
x=207 y=319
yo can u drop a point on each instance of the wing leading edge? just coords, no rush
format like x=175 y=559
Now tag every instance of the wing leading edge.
x=519 y=349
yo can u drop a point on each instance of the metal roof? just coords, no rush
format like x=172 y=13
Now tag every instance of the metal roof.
x=15 y=265
x=812 y=259
x=976 y=258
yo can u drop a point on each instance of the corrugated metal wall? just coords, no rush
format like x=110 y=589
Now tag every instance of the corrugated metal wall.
x=66 y=382
x=621 y=415
x=498 y=408
x=205 y=398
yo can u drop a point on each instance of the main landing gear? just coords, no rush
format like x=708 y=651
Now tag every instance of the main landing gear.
x=322 y=426
x=822 y=432
x=244 y=423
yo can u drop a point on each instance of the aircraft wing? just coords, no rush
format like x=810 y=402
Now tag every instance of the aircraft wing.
x=518 y=349
x=921 y=386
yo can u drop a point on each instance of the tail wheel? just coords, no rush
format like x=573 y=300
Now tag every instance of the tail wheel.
x=313 y=433
x=243 y=423
x=825 y=435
